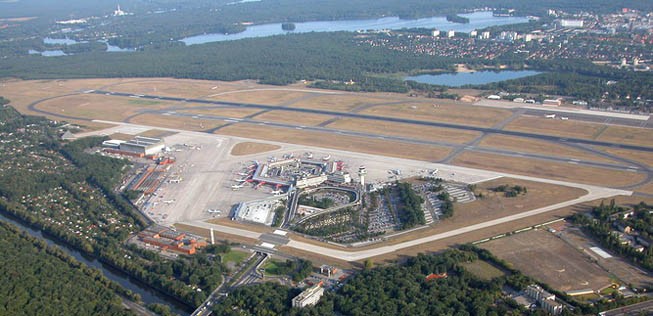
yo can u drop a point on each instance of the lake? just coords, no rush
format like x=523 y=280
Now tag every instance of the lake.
x=477 y=20
x=458 y=79
x=147 y=294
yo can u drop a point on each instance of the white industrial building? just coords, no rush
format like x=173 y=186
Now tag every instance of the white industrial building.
x=309 y=297
x=571 y=23
x=143 y=145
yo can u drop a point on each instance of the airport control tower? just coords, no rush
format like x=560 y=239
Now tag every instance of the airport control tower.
x=361 y=173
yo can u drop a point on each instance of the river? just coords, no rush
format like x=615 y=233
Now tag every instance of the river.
x=458 y=79
x=148 y=294
x=477 y=20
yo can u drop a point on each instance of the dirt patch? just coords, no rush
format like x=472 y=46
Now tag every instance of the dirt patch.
x=356 y=144
x=549 y=170
x=303 y=119
x=520 y=144
x=405 y=130
x=121 y=136
x=249 y=148
x=542 y=125
x=443 y=111
x=556 y=263
x=169 y=121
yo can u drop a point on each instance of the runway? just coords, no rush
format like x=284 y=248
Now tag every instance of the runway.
x=376 y=118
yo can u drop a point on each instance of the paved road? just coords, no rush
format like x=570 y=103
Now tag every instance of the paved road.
x=376 y=118
x=643 y=308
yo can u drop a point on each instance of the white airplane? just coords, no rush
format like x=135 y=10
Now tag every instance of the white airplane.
x=564 y=118
x=214 y=211
x=235 y=187
x=169 y=202
x=326 y=158
x=550 y=116
x=243 y=174
x=276 y=192
x=240 y=180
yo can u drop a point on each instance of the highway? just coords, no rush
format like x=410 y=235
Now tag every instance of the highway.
x=375 y=118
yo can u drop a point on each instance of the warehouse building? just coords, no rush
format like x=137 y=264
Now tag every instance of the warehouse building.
x=143 y=145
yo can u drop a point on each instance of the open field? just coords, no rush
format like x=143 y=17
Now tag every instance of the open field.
x=639 y=156
x=270 y=96
x=186 y=123
x=542 y=125
x=549 y=170
x=223 y=111
x=448 y=111
x=156 y=133
x=234 y=256
x=405 y=130
x=305 y=119
x=483 y=270
x=97 y=106
x=342 y=102
x=342 y=142
x=558 y=264
x=169 y=87
x=520 y=144
x=627 y=135
x=619 y=267
x=249 y=148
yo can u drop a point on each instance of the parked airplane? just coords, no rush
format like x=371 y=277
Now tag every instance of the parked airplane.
x=550 y=116
x=240 y=180
x=276 y=192
x=235 y=187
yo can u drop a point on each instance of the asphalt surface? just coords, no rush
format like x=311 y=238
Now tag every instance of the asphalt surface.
x=377 y=118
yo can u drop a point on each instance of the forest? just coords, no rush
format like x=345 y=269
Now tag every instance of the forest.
x=409 y=210
x=389 y=290
x=68 y=194
x=43 y=280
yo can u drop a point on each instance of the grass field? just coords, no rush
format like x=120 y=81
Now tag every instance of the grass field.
x=305 y=119
x=249 y=148
x=443 y=111
x=356 y=144
x=405 y=130
x=339 y=102
x=92 y=106
x=550 y=170
x=234 y=256
x=271 y=267
x=185 y=123
x=639 y=156
x=541 y=125
x=169 y=87
x=222 y=111
x=627 y=135
x=520 y=144
x=275 y=96
x=483 y=270
x=558 y=264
